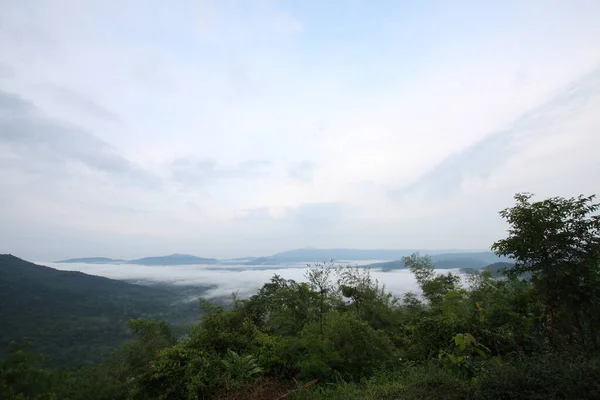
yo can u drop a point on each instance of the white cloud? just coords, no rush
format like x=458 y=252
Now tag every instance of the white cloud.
x=223 y=281
x=280 y=109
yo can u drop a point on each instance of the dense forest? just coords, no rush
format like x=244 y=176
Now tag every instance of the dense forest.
x=78 y=319
x=531 y=331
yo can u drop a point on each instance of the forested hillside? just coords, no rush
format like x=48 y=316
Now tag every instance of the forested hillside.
x=77 y=318
x=341 y=335
x=447 y=261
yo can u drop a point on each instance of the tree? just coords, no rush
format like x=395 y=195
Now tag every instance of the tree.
x=435 y=288
x=360 y=293
x=150 y=338
x=176 y=372
x=557 y=242
x=21 y=376
x=319 y=276
x=348 y=348
x=283 y=306
x=421 y=267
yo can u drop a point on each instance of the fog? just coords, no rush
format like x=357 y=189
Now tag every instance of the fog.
x=225 y=280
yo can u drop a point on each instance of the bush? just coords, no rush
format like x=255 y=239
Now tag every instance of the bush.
x=179 y=372
x=408 y=381
x=345 y=348
x=432 y=334
x=551 y=376
x=239 y=370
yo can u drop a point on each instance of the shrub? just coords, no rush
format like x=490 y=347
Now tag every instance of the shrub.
x=551 y=376
x=346 y=348
x=239 y=370
x=179 y=372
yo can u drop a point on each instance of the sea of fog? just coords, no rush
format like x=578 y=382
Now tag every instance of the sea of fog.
x=226 y=279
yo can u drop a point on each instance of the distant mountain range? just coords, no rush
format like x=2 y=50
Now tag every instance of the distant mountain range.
x=496 y=270
x=442 y=258
x=261 y=261
x=173 y=259
x=475 y=260
x=320 y=255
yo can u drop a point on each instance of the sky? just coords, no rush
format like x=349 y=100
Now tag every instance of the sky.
x=237 y=128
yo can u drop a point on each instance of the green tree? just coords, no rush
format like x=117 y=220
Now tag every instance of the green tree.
x=347 y=348
x=21 y=375
x=361 y=294
x=150 y=338
x=319 y=280
x=557 y=242
x=178 y=372
x=283 y=306
x=435 y=287
x=468 y=355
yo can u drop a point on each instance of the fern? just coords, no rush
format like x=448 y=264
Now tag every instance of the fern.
x=240 y=368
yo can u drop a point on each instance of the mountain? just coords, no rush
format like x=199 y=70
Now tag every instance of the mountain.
x=475 y=260
x=94 y=260
x=261 y=261
x=487 y=257
x=239 y=259
x=77 y=318
x=174 y=259
x=320 y=255
x=496 y=270
x=443 y=259
x=387 y=265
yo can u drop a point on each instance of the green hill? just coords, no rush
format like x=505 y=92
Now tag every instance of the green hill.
x=320 y=255
x=474 y=260
x=77 y=318
x=174 y=259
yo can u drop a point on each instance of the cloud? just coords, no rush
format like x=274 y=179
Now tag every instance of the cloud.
x=81 y=103
x=201 y=172
x=315 y=214
x=6 y=71
x=254 y=127
x=37 y=142
x=481 y=159
x=302 y=171
x=255 y=214
x=226 y=280
x=266 y=228
x=305 y=215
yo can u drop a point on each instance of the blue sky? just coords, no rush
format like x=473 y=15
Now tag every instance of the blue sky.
x=230 y=128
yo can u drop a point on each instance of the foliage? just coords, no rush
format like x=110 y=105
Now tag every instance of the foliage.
x=557 y=241
x=177 y=372
x=151 y=338
x=347 y=348
x=21 y=376
x=543 y=376
x=239 y=369
x=349 y=338
x=469 y=357
x=74 y=318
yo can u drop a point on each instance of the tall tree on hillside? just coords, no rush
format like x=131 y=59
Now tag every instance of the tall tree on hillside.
x=319 y=280
x=557 y=241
